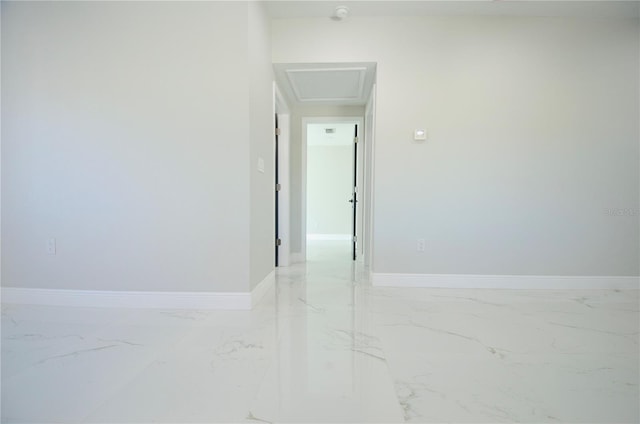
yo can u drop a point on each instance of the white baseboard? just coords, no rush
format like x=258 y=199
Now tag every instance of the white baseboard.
x=257 y=294
x=138 y=299
x=128 y=299
x=463 y=281
x=342 y=237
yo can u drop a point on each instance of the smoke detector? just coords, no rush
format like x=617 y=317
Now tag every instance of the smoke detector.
x=341 y=13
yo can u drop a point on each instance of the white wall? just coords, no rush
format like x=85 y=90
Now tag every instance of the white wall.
x=533 y=137
x=261 y=133
x=125 y=137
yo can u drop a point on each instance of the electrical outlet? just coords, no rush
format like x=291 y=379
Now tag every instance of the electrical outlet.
x=422 y=244
x=51 y=246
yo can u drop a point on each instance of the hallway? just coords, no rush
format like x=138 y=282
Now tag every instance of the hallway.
x=325 y=346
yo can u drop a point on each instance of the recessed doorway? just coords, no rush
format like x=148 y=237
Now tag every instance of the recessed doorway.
x=330 y=93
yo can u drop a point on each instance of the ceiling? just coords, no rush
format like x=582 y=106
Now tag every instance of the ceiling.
x=350 y=83
x=307 y=84
x=575 y=8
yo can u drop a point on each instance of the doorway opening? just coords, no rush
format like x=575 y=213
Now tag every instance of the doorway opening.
x=333 y=179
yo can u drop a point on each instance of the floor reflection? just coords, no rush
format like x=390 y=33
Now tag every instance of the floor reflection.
x=329 y=364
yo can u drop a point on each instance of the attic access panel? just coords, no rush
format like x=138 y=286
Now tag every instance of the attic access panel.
x=327 y=84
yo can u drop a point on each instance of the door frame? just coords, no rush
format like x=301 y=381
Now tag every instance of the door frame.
x=281 y=108
x=369 y=135
x=357 y=120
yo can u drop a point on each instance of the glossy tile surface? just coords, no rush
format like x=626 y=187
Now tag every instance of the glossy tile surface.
x=325 y=346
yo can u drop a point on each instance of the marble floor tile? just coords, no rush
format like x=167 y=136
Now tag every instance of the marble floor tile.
x=339 y=385
x=530 y=388
x=65 y=386
x=189 y=385
x=325 y=346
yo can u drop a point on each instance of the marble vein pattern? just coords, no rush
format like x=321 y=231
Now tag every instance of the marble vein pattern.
x=326 y=346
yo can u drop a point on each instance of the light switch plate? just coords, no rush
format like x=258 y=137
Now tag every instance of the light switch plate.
x=261 y=165
x=420 y=135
